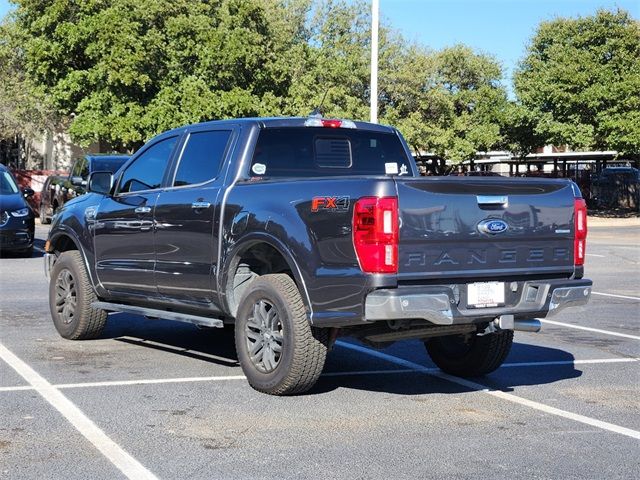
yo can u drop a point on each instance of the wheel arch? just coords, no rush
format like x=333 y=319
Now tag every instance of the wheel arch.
x=262 y=254
x=62 y=241
x=66 y=239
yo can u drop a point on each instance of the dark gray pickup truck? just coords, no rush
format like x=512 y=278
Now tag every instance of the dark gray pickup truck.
x=300 y=230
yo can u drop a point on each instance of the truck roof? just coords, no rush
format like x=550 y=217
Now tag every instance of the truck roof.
x=273 y=122
x=107 y=157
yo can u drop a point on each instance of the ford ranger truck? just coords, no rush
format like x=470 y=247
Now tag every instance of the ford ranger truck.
x=296 y=231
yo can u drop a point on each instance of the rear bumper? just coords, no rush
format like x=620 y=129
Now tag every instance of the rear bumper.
x=446 y=304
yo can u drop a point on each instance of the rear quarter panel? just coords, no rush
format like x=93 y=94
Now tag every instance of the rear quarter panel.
x=316 y=237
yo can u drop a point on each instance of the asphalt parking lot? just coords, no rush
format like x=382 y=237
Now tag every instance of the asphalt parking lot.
x=163 y=399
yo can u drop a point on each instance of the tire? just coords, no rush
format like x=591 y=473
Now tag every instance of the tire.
x=27 y=252
x=271 y=310
x=476 y=356
x=70 y=298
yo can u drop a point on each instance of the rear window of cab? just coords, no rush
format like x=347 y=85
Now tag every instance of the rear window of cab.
x=325 y=152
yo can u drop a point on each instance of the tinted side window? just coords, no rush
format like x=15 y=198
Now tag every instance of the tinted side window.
x=112 y=165
x=79 y=167
x=85 y=170
x=202 y=157
x=146 y=172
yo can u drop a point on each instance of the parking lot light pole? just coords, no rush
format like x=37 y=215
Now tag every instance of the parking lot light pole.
x=374 y=60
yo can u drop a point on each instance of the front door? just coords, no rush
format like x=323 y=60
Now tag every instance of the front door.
x=186 y=233
x=123 y=228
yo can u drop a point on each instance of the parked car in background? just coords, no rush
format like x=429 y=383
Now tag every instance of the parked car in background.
x=17 y=223
x=50 y=189
x=616 y=187
x=62 y=189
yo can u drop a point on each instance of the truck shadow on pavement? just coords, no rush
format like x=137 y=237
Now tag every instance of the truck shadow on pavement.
x=215 y=345
x=400 y=381
x=346 y=368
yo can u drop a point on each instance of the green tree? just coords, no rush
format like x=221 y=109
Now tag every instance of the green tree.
x=582 y=77
x=448 y=102
x=125 y=70
x=520 y=127
x=333 y=62
x=23 y=108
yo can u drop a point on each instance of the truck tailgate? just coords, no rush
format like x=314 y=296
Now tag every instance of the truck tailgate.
x=483 y=228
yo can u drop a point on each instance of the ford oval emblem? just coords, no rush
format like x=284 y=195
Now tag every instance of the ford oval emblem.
x=493 y=226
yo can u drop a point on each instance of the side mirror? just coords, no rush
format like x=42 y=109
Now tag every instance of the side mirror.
x=28 y=192
x=100 y=182
x=78 y=182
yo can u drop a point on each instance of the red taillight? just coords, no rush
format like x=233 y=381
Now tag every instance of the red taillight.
x=375 y=234
x=580 y=231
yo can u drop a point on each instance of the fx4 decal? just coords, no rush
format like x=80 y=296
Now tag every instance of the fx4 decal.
x=329 y=203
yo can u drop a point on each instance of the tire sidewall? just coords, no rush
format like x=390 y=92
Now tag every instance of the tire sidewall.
x=485 y=354
x=66 y=262
x=262 y=290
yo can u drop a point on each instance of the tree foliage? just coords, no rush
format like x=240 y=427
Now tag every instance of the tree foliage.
x=23 y=109
x=121 y=71
x=124 y=70
x=582 y=78
x=448 y=102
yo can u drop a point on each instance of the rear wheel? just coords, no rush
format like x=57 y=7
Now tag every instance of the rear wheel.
x=279 y=351
x=70 y=298
x=470 y=355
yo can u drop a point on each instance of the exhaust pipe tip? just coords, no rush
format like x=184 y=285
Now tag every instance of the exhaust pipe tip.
x=533 y=325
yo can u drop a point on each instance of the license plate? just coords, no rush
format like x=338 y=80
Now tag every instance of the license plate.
x=485 y=294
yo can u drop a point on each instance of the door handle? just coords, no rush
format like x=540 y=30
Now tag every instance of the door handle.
x=493 y=200
x=200 y=205
x=142 y=210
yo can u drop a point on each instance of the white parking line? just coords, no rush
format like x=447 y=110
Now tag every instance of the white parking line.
x=570 y=362
x=595 y=255
x=16 y=389
x=128 y=465
x=150 y=381
x=156 y=381
x=627 y=297
x=496 y=393
x=589 y=329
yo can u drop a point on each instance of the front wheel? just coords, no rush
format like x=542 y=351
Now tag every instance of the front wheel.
x=279 y=351
x=470 y=355
x=70 y=298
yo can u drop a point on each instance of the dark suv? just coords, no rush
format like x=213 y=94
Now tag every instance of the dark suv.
x=59 y=190
x=617 y=187
x=16 y=217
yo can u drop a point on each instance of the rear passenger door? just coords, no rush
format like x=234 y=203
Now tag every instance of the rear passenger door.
x=186 y=235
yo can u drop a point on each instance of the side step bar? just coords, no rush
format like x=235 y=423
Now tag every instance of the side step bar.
x=152 y=313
